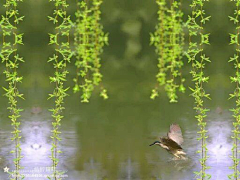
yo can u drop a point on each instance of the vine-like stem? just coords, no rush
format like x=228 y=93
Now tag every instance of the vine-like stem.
x=60 y=59
x=11 y=58
x=89 y=42
x=168 y=40
x=198 y=60
x=236 y=93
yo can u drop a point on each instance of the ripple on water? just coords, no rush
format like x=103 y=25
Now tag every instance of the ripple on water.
x=219 y=149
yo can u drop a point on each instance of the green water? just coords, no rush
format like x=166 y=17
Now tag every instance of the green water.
x=110 y=139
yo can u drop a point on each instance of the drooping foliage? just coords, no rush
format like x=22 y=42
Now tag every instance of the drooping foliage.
x=196 y=56
x=236 y=94
x=168 y=40
x=89 y=42
x=11 y=38
x=61 y=57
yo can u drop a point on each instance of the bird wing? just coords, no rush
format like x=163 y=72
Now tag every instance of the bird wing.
x=175 y=134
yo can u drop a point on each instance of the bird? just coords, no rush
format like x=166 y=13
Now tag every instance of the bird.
x=172 y=142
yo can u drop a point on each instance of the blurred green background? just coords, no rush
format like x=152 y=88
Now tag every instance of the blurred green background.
x=109 y=139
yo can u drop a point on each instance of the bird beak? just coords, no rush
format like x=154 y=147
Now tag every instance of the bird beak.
x=152 y=144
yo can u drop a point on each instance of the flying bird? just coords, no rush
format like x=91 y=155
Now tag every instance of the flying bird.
x=172 y=142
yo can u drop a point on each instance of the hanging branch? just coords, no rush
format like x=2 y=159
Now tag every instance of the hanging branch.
x=60 y=59
x=89 y=42
x=236 y=93
x=11 y=58
x=198 y=60
x=168 y=40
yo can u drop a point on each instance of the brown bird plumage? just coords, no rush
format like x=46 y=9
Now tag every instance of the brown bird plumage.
x=175 y=134
x=172 y=142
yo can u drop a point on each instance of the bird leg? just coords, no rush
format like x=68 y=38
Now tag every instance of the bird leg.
x=184 y=158
x=180 y=155
x=176 y=156
x=181 y=152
